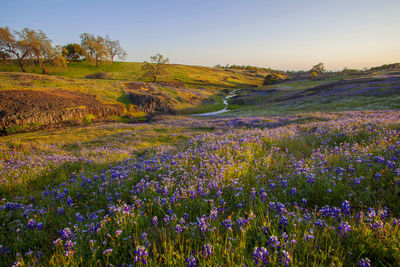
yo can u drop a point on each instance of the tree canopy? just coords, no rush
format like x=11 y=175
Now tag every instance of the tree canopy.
x=156 y=66
x=319 y=68
x=95 y=47
x=30 y=44
x=74 y=51
x=114 y=49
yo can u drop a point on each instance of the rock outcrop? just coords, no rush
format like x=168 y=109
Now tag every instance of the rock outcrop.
x=148 y=98
x=34 y=109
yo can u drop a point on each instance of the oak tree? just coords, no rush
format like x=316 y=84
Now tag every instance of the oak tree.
x=95 y=47
x=114 y=49
x=156 y=66
x=74 y=52
x=15 y=45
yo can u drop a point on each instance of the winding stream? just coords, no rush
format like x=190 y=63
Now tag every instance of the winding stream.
x=225 y=109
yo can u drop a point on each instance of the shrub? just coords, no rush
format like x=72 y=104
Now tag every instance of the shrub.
x=272 y=78
x=98 y=75
x=89 y=118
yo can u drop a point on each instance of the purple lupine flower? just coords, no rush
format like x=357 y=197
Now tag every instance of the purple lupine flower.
x=79 y=217
x=207 y=250
x=143 y=236
x=344 y=228
x=358 y=180
x=60 y=211
x=118 y=233
x=178 y=229
x=108 y=251
x=166 y=218
x=346 y=207
x=31 y=224
x=319 y=223
x=260 y=256
x=70 y=202
x=293 y=191
x=227 y=223
x=191 y=261
x=242 y=223
x=253 y=194
x=69 y=247
x=214 y=214
x=202 y=223
x=273 y=242
x=264 y=196
x=285 y=258
x=40 y=226
x=66 y=234
x=365 y=263
x=141 y=254
x=154 y=221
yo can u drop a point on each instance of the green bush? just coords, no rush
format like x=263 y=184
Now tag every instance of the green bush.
x=98 y=75
x=272 y=78
x=89 y=118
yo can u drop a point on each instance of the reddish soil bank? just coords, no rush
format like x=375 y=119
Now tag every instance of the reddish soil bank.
x=39 y=109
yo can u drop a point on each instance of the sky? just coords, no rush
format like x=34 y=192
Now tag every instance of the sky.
x=280 y=34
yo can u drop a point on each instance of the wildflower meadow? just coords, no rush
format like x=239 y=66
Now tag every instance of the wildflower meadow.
x=317 y=189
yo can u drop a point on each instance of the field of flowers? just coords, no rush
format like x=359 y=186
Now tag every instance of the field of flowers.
x=315 y=189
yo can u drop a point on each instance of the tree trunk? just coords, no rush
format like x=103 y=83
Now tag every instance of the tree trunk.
x=112 y=59
x=41 y=64
x=21 y=64
x=43 y=69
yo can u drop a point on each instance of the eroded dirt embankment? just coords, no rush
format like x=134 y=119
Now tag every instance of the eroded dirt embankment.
x=38 y=109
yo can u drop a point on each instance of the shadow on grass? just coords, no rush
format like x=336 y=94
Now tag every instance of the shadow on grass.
x=213 y=103
x=50 y=179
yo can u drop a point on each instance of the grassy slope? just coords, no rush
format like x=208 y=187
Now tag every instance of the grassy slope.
x=279 y=102
x=208 y=80
x=192 y=76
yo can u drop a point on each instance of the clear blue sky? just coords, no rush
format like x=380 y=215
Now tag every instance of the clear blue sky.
x=281 y=34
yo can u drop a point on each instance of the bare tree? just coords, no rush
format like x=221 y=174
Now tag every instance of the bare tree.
x=95 y=47
x=18 y=47
x=156 y=66
x=114 y=49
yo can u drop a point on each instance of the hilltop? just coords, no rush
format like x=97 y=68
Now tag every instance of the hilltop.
x=191 y=76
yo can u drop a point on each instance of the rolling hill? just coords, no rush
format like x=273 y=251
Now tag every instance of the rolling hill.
x=46 y=99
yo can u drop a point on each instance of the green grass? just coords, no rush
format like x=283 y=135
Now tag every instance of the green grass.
x=286 y=99
x=311 y=105
x=204 y=83
x=192 y=76
x=198 y=171
x=216 y=104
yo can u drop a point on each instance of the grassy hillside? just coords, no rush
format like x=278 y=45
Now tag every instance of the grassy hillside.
x=197 y=89
x=192 y=76
x=338 y=93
